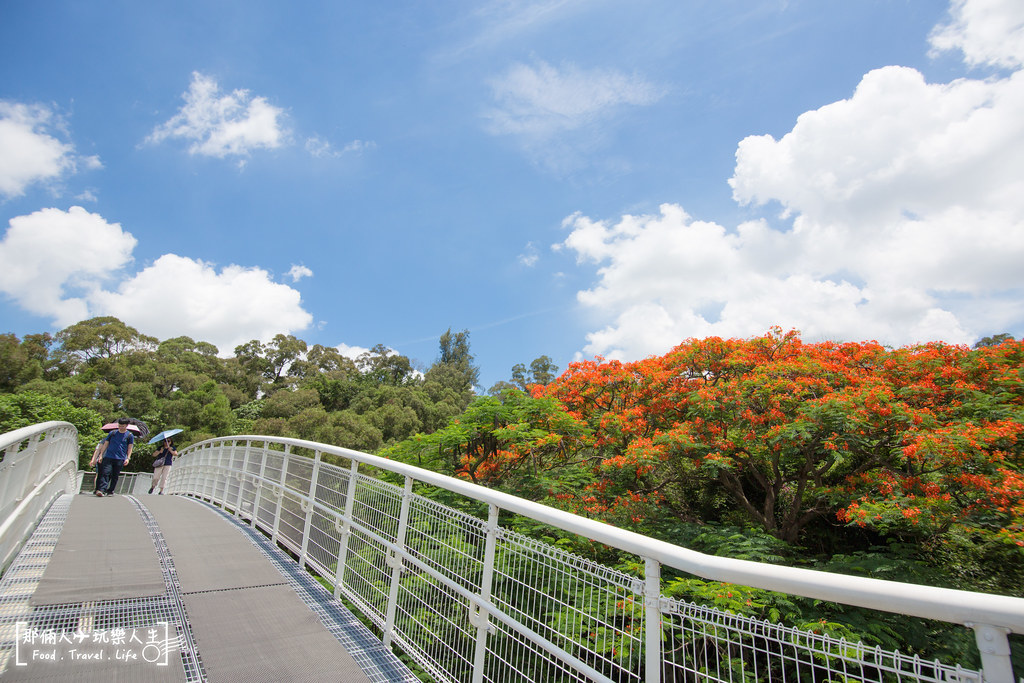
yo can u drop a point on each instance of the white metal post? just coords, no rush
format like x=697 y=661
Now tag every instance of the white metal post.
x=258 y=499
x=395 y=561
x=279 y=493
x=346 y=527
x=309 y=508
x=243 y=475
x=223 y=472
x=652 y=620
x=476 y=617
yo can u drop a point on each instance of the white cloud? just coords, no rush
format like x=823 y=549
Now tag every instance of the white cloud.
x=898 y=145
x=986 y=31
x=554 y=112
x=221 y=125
x=664 y=278
x=29 y=152
x=357 y=146
x=51 y=261
x=82 y=278
x=181 y=296
x=352 y=352
x=298 y=272
x=530 y=255
x=541 y=101
x=318 y=147
x=907 y=208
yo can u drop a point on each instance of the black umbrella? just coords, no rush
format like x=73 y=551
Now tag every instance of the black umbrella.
x=143 y=429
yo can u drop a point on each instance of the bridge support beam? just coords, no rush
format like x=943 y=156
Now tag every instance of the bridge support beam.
x=994 y=646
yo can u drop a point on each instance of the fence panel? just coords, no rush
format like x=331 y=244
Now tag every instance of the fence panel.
x=470 y=601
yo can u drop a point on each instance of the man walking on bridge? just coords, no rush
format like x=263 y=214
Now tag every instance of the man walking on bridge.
x=115 y=451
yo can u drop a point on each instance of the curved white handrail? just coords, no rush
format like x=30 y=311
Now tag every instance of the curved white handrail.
x=991 y=616
x=927 y=602
x=39 y=463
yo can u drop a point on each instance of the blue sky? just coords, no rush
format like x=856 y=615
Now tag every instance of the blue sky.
x=566 y=178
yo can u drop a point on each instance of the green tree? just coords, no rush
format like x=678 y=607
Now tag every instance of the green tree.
x=103 y=337
x=454 y=370
x=542 y=371
x=994 y=340
x=18 y=364
x=287 y=404
x=321 y=361
x=281 y=353
x=513 y=440
x=381 y=365
x=28 y=408
x=251 y=367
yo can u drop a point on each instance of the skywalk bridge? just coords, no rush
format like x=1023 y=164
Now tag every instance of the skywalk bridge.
x=280 y=559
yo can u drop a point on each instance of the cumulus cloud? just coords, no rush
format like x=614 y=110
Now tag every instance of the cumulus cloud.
x=174 y=296
x=221 y=125
x=904 y=209
x=666 y=277
x=539 y=104
x=30 y=151
x=226 y=307
x=898 y=144
x=52 y=261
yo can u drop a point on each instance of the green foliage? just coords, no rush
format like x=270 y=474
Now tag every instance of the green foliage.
x=994 y=340
x=21 y=361
x=99 y=338
x=282 y=387
x=542 y=371
x=29 y=408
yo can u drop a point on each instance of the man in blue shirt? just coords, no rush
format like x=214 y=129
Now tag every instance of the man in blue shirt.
x=115 y=451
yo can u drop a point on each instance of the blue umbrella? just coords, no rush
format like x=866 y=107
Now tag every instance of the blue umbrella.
x=167 y=433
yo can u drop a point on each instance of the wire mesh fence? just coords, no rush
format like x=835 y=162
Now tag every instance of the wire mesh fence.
x=469 y=600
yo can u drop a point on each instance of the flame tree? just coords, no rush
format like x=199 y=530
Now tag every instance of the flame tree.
x=912 y=440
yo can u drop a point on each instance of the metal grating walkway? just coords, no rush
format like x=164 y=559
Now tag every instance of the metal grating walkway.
x=244 y=622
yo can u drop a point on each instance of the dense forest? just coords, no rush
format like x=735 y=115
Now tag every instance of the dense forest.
x=905 y=464
x=284 y=388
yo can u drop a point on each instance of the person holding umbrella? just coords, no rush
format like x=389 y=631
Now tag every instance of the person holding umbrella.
x=114 y=453
x=163 y=458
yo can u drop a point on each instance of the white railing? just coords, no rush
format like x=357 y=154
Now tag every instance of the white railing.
x=39 y=463
x=469 y=600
